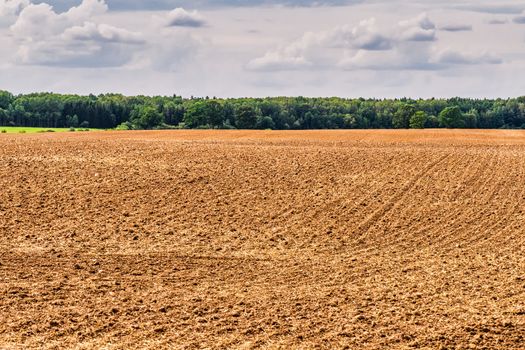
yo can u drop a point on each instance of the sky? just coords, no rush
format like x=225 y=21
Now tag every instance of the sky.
x=258 y=48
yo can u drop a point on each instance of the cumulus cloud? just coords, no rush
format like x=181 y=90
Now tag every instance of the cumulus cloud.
x=85 y=10
x=171 y=51
x=420 y=28
x=39 y=35
x=498 y=21
x=71 y=38
x=382 y=58
x=284 y=58
x=449 y=56
x=182 y=18
x=456 y=27
x=9 y=9
x=168 y=4
x=493 y=8
x=312 y=49
x=278 y=60
x=411 y=45
x=412 y=57
x=39 y=21
x=519 y=19
x=101 y=33
x=364 y=36
x=56 y=53
x=407 y=56
x=12 y=7
x=288 y=57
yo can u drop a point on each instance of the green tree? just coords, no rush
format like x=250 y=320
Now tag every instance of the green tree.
x=418 y=120
x=5 y=99
x=72 y=121
x=195 y=115
x=452 y=118
x=349 y=121
x=215 y=113
x=471 y=119
x=229 y=114
x=432 y=122
x=173 y=113
x=269 y=109
x=110 y=110
x=404 y=113
x=265 y=123
x=146 y=117
x=4 y=120
x=245 y=117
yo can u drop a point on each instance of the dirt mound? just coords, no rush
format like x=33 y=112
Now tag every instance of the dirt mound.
x=241 y=239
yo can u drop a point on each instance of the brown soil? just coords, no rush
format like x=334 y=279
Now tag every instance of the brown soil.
x=200 y=239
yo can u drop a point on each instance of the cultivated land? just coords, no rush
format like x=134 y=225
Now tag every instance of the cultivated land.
x=27 y=130
x=214 y=239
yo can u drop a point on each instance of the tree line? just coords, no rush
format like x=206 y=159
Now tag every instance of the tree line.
x=108 y=111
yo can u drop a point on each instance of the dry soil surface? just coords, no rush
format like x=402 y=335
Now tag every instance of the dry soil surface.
x=241 y=239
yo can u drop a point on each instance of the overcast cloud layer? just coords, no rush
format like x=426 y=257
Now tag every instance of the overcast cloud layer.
x=348 y=48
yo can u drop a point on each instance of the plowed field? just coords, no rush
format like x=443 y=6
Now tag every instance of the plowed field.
x=219 y=240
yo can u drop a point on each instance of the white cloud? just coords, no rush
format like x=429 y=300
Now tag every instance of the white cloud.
x=453 y=57
x=364 y=45
x=12 y=7
x=45 y=37
x=407 y=55
x=321 y=50
x=364 y=36
x=456 y=27
x=420 y=28
x=520 y=19
x=90 y=31
x=493 y=7
x=86 y=9
x=182 y=18
x=170 y=52
x=289 y=57
x=80 y=37
x=279 y=60
x=9 y=10
x=412 y=56
x=498 y=21
x=161 y=5
x=37 y=21
x=411 y=45
x=316 y=49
